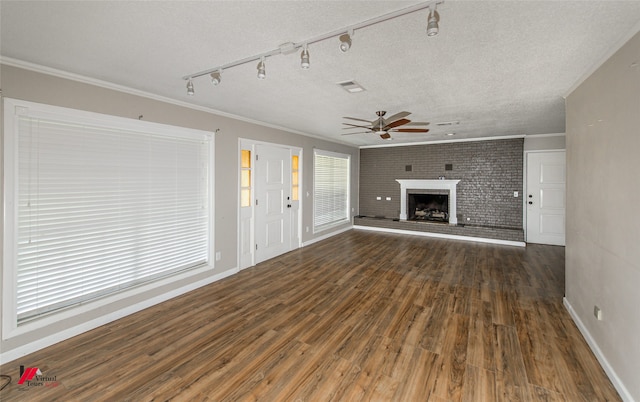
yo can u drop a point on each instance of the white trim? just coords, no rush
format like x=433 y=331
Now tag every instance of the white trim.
x=300 y=153
x=326 y=236
x=121 y=88
x=603 y=59
x=244 y=144
x=42 y=343
x=47 y=111
x=617 y=383
x=450 y=185
x=524 y=194
x=443 y=236
x=405 y=144
x=545 y=135
x=533 y=151
x=331 y=154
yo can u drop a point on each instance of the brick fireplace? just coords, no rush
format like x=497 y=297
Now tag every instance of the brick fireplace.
x=488 y=173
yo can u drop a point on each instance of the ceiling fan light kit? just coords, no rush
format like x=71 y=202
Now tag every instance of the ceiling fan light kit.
x=345 y=36
x=383 y=127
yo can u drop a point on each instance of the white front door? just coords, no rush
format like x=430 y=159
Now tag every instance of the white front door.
x=272 y=202
x=545 y=198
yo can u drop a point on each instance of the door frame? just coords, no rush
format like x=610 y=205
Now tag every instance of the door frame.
x=247 y=261
x=525 y=180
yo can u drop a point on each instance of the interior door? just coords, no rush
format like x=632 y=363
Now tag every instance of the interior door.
x=272 y=202
x=545 y=198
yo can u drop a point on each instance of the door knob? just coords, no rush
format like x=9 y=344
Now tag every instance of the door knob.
x=288 y=205
x=530 y=202
x=530 y=195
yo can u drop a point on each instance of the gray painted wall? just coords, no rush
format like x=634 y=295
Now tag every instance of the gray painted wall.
x=603 y=218
x=489 y=173
x=35 y=87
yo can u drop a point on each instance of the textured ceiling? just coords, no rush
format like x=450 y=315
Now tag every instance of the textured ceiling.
x=500 y=68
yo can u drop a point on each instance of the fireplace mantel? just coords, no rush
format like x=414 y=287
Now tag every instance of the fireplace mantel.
x=429 y=185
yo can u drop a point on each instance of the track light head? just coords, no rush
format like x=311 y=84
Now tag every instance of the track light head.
x=216 y=77
x=190 y=90
x=262 y=74
x=432 y=25
x=304 y=58
x=345 y=42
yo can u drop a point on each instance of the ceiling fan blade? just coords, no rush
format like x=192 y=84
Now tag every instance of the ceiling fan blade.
x=396 y=123
x=385 y=136
x=354 y=126
x=418 y=123
x=353 y=118
x=411 y=130
x=397 y=116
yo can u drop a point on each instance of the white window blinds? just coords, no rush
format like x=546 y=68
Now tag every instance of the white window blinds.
x=101 y=208
x=331 y=189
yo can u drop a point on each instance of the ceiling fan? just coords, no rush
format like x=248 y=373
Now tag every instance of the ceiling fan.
x=383 y=127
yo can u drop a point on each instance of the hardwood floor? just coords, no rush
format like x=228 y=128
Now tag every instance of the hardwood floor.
x=361 y=316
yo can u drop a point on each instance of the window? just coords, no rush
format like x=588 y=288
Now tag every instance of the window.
x=245 y=178
x=98 y=204
x=330 y=189
x=295 y=180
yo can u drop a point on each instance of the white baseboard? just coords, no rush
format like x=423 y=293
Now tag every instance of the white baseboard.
x=443 y=236
x=617 y=383
x=326 y=236
x=31 y=347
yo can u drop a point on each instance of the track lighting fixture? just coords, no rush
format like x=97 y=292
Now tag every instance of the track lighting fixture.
x=190 y=90
x=216 y=77
x=262 y=74
x=345 y=36
x=304 y=58
x=432 y=25
x=345 y=41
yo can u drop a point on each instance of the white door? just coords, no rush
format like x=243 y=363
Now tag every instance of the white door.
x=545 y=198
x=272 y=202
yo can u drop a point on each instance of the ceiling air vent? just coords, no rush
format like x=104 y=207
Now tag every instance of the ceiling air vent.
x=351 y=86
x=448 y=123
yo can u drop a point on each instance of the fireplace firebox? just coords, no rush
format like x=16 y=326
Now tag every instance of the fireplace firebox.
x=431 y=206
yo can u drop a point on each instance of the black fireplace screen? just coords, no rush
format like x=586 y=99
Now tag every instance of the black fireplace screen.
x=428 y=207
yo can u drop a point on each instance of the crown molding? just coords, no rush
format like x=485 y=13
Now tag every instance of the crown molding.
x=405 y=144
x=545 y=135
x=606 y=56
x=25 y=65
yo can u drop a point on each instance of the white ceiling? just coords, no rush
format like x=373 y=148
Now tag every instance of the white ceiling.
x=501 y=68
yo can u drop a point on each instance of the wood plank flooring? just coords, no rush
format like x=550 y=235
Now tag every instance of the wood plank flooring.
x=361 y=316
